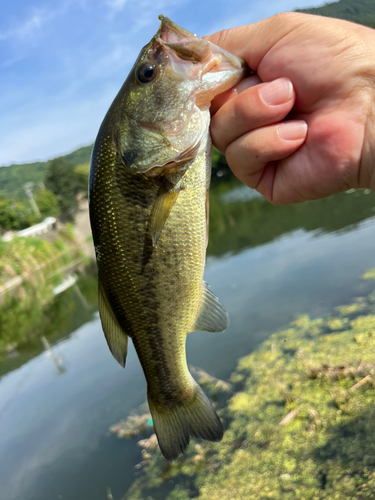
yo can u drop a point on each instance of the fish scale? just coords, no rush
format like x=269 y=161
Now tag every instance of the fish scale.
x=149 y=179
x=180 y=248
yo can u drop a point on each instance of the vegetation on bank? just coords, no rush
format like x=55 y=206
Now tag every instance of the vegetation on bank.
x=25 y=256
x=54 y=185
x=300 y=422
x=15 y=214
x=30 y=268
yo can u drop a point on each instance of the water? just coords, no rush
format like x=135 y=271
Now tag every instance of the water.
x=267 y=264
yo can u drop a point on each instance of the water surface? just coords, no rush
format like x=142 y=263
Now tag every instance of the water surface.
x=267 y=264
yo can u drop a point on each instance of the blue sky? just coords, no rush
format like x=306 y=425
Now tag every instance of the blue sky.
x=62 y=62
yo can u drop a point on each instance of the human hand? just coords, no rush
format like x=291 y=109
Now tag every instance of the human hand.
x=320 y=72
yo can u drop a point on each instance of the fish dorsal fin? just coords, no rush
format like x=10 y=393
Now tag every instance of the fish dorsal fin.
x=212 y=317
x=163 y=205
x=117 y=339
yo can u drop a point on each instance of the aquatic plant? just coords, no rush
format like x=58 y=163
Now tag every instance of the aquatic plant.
x=301 y=423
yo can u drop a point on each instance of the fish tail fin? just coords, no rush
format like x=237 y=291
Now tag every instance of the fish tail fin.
x=193 y=418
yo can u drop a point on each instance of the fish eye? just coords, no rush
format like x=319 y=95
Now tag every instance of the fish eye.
x=147 y=72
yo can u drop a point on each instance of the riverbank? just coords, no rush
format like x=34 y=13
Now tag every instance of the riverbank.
x=32 y=270
x=300 y=424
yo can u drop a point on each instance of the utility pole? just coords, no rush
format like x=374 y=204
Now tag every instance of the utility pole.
x=28 y=187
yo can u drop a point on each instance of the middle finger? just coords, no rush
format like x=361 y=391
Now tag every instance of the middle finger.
x=255 y=107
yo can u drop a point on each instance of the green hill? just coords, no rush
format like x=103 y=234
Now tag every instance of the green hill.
x=13 y=178
x=79 y=156
x=357 y=11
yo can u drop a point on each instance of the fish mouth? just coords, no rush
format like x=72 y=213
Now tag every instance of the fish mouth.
x=171 y=32
x=214 y=69
x=221 y=72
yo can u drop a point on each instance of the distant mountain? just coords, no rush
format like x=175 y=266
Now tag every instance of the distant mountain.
x=357 y=11
x=79 y=156
x=12 y=178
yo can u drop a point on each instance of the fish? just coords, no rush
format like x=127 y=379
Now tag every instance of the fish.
x=148 y=201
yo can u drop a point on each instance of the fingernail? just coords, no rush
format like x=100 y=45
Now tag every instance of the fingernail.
x=292 y=131
x=277 y=92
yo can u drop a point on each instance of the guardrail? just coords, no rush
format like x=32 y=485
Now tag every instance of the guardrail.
x=42 y=227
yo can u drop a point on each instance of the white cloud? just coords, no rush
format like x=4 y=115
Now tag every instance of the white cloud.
x=26 y=29
x=60 y=128
x=38 y=17
x=12 y=60
x=116 y=5
x=119 y=56
x=32 y=24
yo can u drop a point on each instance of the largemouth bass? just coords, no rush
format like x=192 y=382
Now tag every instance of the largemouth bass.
x=149 y=178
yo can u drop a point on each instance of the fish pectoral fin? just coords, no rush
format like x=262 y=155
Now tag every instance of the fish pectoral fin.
x=212 y=317
x=117 y=339
x=164 y=202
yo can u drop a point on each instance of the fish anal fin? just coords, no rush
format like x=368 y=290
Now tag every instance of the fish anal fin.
x=117 y=339
x=212 y=317
x=163 y=205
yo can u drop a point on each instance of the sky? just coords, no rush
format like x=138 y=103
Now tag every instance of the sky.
x=62 y=62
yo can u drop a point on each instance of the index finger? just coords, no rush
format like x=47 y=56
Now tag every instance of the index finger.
x=252 y=42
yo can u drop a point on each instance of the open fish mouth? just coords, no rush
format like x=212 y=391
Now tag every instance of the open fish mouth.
x=195 y=58
x=186 y=72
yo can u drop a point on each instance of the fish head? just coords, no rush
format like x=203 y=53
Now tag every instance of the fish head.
x=160 y=108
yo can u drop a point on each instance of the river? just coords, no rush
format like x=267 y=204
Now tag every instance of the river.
x=59 y=396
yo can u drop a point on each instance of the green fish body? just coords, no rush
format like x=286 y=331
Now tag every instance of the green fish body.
x=149 y=179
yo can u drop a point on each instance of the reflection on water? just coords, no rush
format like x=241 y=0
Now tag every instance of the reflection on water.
x=239 y=218
x=53 y=320
x=56 y=359
x=59 y=396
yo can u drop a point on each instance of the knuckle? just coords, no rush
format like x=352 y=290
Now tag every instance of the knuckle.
x=220 y=37
x=287 y=17
x=244 y=107
x=230 y=155
x=217 y=137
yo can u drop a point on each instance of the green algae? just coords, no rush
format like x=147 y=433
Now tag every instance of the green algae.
x=300 y=420
x=370 y=274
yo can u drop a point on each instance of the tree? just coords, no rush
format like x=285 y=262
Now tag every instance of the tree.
x=83 y=172
x=47 y=203
x=65 y=184
x=15 y=215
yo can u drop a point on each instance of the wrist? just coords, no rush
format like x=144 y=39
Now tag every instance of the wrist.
x=366 y=176
x=367 y=165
